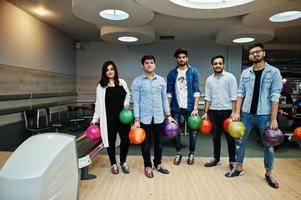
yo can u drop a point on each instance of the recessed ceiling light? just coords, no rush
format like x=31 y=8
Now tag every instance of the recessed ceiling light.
x=243 y=40
x=210 y=4
x=128 y=39
x=40 y=11
x=285 y=16
x=113 y=14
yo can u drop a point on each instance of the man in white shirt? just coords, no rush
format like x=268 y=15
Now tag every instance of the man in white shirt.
x=220 y=100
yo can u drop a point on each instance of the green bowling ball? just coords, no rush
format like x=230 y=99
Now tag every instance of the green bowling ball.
x=237 y=129
x=194 y=122
x=126 y=116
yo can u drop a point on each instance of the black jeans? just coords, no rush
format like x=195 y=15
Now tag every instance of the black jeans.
x=218 y=117
x=157 y=131
x=192 y=133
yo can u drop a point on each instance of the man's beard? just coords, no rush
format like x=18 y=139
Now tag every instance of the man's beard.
x=182 y=65
x=257 y=61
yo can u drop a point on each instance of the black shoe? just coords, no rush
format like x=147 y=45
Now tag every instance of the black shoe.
x=177 y=159
x=271 y=181
x=190 y=159
x=125 y=168
x=161 y=169
x=212 y=163
x=233 y=173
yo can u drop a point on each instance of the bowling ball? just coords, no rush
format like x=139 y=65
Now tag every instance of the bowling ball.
x=297 y=134
x=137 y=135
x=171 y=129
x=194 y=122
x=272 y=137
x=227 y=123
x=126 y=116
x=206 y=126
x=236 y=129
x=93 y=133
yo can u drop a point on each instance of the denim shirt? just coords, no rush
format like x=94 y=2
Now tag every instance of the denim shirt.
x=150 y=100
x=269 y=91
x=193 y=84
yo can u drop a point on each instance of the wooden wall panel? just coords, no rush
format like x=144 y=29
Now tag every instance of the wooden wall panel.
x=16 y=80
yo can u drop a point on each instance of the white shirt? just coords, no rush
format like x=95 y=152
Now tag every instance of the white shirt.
x=221 y=90
x=181 y=88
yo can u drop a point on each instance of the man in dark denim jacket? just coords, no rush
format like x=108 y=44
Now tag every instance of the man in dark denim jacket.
x=183 y=95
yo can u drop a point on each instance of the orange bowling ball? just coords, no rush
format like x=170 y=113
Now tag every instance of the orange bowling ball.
x=227 y=123
x=206 y=126
x=137 y=136
x=297 y=134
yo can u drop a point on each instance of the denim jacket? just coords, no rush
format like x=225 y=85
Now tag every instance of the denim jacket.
x=193 y=84
x=270 y=89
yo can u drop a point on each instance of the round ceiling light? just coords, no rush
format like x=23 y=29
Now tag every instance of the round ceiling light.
x=285 y=16
x=113 y=14
x=210 y=4
x=128 y=39
x=243 y=40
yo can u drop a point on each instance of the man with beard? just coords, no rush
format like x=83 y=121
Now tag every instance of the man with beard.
x=258 y=97
x=150 y=107
x=183 y=96
x=220 y=98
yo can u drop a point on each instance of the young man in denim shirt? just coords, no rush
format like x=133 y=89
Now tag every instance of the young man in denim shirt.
x=183 y=95
x=150 y=109
x=257 y=99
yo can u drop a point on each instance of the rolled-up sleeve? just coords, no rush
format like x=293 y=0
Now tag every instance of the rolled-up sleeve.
x=136 y=98
x=241 y=92
x=196 y=84
x=233 y=88
x=276 y=87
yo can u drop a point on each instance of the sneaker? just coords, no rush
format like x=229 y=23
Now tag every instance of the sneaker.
x=234 y=172
x=177 y=159
x=148 y=172
x=271 y=181
x=161 y=169
x=124 y=167
x=190 y=159
x=114 y=169
x=212 y=163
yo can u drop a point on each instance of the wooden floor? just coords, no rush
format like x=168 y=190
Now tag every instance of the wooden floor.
x=190 y=182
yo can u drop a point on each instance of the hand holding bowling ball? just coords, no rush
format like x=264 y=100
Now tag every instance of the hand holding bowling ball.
x=171 y=129
x=194 y=122
x=137 y=135
x=206 y=126
x=236 y=129
x=93 y=132
x=272 y=137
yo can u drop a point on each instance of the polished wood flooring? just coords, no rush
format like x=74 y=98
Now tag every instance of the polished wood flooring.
x=190 y=182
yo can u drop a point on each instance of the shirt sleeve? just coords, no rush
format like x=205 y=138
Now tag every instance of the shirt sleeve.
x=164 y=98
x=136 y=98
x=170 y=84
x=196 y=84
x=276 y=87
x=233 y=88
x=241 y=92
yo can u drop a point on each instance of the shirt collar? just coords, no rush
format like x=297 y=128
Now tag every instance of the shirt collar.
x=145 y=77
x=222 y=74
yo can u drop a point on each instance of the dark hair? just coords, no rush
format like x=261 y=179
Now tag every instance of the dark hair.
x=218 y=56
x=104 y=78
x=180 y=51
x=256 y=45
x=147 y=57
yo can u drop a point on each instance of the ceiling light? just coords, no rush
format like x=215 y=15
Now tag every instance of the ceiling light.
x=285 y=16
x=210 y=4
x=113 y=14
x=243 y=40
x=40 y=11
x=128 y=39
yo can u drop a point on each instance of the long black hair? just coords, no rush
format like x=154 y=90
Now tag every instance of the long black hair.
x=104 y=78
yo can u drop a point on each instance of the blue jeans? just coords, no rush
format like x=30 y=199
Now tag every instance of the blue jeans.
x=261 y=122
x=192 y=133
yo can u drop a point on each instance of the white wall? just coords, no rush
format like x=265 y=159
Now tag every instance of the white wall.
x=27 y=42
x=90 y=59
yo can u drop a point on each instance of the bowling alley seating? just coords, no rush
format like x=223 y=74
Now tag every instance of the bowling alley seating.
x=36 y=120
